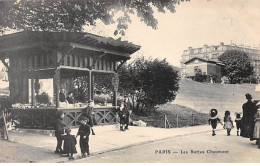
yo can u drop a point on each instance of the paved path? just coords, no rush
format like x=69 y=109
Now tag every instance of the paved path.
x=107 y=138
x=141 y=144
x=198 y=148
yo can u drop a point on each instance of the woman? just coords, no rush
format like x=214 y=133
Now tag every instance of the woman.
x=249 y=110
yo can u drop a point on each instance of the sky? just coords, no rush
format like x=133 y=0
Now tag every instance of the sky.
x=194 y=24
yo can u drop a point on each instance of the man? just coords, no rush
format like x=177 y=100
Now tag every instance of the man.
x=59 y=130
x=62 y=97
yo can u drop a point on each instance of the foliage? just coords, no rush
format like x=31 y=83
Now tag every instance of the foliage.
x=237 y=65
x=80 y=89
x=200 y=77
x=253 y=79
x=71 y=15
x=148 y=83
x=103 y=84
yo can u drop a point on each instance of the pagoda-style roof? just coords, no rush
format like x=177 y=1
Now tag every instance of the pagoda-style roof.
x=80 y=40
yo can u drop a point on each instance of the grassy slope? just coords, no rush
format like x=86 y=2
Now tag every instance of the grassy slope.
x=201 y=97
x=204 y=96
x=184 y=116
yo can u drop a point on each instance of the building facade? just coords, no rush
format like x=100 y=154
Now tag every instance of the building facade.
x=210 y=69
x=212 y=53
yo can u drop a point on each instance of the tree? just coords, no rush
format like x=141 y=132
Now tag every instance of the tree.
x=237 y=65
x=72 y=15
x=149 y=83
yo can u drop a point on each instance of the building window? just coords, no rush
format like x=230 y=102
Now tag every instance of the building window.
x=197 y=69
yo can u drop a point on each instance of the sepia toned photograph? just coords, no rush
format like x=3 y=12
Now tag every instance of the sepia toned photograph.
x=129 y=81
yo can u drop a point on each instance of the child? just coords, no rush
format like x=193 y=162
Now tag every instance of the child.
x=90 y=114
x=123 y=116
x=128 y=112
x=84 y=131
x=213 y=120
x=228 y=123
x=69 y=146
x=238 y=122
x=59 y=131
x=257 y=127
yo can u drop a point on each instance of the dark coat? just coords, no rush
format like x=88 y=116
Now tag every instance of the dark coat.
x=124 y=115
x=59 y=128
x=247 y=122
x=70 y=100
x=70 y=143
x=62 y=97
x=213 y=121
x=88 y=112
x=84 y=130
x=238 y=123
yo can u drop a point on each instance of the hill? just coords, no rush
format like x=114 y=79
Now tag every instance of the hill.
x=185 y=115
x=204 y=96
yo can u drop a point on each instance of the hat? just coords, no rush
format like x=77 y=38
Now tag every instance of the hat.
x=67 y=130
x=213 y=112
x=248 y=96
x=83 y=120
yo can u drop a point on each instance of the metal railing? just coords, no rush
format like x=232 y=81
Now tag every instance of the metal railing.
x=177 y=120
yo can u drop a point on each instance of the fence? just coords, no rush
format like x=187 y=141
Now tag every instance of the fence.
x=176 y=120
x=45 y=118
x=5 y=123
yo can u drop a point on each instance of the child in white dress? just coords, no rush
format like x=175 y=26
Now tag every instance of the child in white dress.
x=228 y=123
x=257 y=127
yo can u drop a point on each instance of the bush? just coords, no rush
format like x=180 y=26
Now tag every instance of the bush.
x=200 y=77
x=148 y=83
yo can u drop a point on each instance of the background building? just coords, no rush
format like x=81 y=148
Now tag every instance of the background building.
x=211 y=69
x=212 y=53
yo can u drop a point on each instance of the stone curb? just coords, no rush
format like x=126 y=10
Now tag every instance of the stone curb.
x=63 y=159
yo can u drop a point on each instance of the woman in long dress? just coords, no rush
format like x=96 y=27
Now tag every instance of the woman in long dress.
x=249 y=110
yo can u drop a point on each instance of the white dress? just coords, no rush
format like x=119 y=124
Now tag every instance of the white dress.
x=257 y=128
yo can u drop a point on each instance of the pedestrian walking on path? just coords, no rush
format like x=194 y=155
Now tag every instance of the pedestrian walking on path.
x=238 y=122
x=213 y=120
x=83 y=132
x=69 y=146
x=59 y=131
x=249 y=110
x=257 y=128
x=228 y=123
